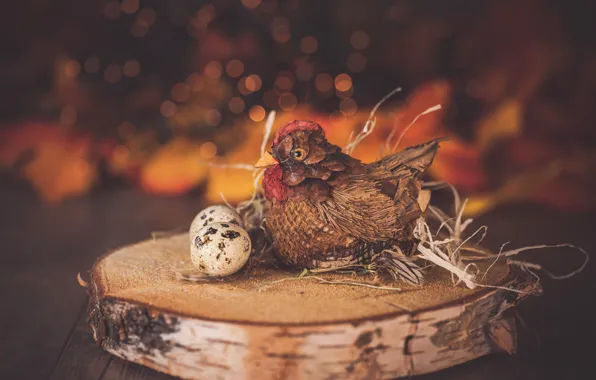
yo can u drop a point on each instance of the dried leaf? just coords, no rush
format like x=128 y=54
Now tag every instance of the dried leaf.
x=174 y=169
x=60 y=170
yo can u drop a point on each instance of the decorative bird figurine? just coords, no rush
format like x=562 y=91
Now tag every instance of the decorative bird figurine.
x=329 y=210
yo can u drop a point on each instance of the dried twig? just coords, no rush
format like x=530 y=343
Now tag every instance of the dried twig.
x=369 y=126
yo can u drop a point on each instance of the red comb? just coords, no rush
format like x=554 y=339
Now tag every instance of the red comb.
x=297 y=125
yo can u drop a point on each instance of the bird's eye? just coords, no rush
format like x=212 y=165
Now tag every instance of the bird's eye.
x=299 y=154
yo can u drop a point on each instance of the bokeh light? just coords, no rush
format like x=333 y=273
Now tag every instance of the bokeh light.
x=287 y=101
x=236 y=105
x=131 y=68
x=208 y=150
x=72 y=68
x=212 y=118
x=308 y=44
x=167 y=108
x=112 y=10
x=130 y=6
x=147 y=17
x=256 y=113
x=343 y=82
x=304 y=71
x=348 y=107
x=195 y=81
x=345 y=94
x=280 y=29
x=120 y=156
x=284 y=81
x=253 y=83
x=92 y=65
x=359 y=40
x=138 y=29
x=356 y=62
x=323 y=82
x=251 y=4
x=113 y=73
x=213 y=70
x=235 y=68
x=180 y=92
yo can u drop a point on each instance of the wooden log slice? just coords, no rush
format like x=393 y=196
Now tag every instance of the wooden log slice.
x=258 y=327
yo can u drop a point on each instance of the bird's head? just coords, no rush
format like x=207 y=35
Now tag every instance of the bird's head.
x=301 y=155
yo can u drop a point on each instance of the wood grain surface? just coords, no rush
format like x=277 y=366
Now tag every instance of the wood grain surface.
x=44 y=247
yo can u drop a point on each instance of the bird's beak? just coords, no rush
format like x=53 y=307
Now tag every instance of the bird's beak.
x=266 y=160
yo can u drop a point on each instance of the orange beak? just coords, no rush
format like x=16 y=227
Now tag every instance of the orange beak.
x=266 y=161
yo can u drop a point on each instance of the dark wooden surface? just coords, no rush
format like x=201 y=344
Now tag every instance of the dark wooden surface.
x=43 y=328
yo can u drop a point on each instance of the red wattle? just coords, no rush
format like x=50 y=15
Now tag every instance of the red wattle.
x=273 y=187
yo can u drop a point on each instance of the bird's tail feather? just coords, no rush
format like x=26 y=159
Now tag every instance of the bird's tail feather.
x=415 y=159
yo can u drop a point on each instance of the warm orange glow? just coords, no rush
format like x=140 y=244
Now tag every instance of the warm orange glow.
x=174 y=169
x=256 y=113
x=308 y=45
x=235 y=68
x=253 y=83
x=359 y=40
x=113 y=74
x=61 y=168
x=236 y=105
x=323 y=82
x=287 y=101
x=92 y=65
x=168 y=108
x=343 y=82
x=213 y=70
x=356 y=62
x=208 y=150
x=180 y=92
x=337 y=117
x=130 y=6
x=131 y=68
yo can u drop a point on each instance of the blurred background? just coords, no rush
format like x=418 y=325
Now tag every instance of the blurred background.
x=145 y=93
x=111 y=111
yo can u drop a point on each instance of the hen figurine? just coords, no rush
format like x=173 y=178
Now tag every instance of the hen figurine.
x=329 y=210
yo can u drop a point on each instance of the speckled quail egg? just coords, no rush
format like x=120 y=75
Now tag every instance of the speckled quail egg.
x=220 y=249
x=214 y=214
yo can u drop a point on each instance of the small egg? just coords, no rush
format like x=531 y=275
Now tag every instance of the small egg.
x=220 y=249
x=214 y=214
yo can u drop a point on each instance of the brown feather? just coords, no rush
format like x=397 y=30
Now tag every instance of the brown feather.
x=340 y=212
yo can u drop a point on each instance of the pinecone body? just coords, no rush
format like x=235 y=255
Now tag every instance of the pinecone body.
x=330 y=210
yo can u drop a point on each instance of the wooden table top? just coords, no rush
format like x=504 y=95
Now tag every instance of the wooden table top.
x=43 y=323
